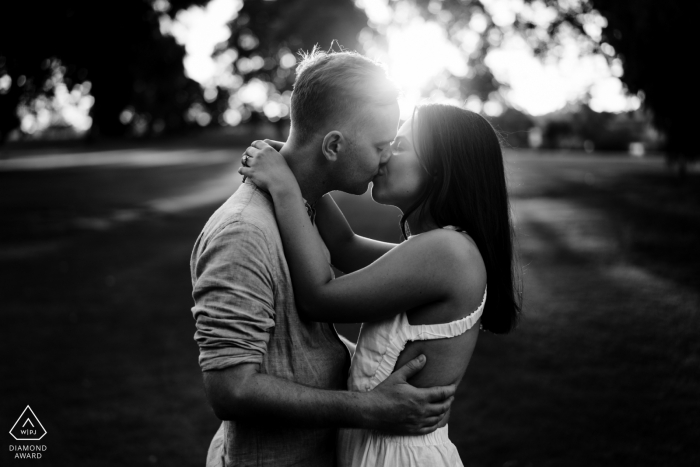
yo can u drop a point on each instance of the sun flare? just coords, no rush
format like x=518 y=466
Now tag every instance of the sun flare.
x=416 y=53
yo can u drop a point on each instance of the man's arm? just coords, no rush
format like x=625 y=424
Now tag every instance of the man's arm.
x=242 y=393
x=234 y=312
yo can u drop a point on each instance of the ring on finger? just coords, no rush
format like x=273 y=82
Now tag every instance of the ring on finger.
x=245 y=159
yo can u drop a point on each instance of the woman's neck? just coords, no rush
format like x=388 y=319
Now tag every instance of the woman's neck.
x=418 y=224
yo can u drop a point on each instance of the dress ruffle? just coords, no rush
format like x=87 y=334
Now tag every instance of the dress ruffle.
x=407 y=332
x=378 y=349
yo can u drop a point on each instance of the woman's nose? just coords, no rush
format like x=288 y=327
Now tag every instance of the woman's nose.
x=386 y=155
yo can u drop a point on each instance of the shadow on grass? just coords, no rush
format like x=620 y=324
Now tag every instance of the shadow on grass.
x=602 y=370
x=101 y=347
x=654 y=217
x=97 y=331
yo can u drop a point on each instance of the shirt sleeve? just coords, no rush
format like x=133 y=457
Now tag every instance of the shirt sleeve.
x=234 y=298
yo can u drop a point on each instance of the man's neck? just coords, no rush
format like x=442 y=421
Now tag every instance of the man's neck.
x=304 y=164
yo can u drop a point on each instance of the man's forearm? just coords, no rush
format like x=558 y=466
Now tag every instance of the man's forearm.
x=242 y=393
x=262 y=398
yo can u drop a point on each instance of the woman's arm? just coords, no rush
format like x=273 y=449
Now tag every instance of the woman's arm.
x=415 y=273
x=419 y=271
x=349 y=251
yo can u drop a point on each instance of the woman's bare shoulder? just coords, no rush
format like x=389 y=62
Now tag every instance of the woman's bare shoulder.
x=464 y=268
x=456 y=253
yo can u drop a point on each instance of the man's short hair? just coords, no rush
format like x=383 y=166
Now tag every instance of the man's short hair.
x=332 y=87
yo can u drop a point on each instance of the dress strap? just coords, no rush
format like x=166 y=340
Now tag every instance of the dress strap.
x=403 y=332
x=423 y=332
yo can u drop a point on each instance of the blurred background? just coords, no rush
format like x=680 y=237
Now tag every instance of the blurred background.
x=121 y=129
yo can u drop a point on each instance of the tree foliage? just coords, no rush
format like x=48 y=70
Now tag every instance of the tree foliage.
x=654 y=39
x=262 y=28
x=266 y=31
x=267 y=34
x=578 y=126
x=457 y=17
x=116 y=46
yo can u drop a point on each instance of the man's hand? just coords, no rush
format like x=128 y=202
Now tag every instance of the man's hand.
x=242 y=393
x=397 y=407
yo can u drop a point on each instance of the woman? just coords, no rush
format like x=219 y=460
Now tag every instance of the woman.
x=427 y=295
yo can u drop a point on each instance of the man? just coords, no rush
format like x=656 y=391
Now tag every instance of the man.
x=279 y=382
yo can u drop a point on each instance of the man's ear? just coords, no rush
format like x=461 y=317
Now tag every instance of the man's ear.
x=333 y=143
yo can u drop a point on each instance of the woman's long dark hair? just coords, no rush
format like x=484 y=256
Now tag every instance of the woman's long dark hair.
x=468 y=190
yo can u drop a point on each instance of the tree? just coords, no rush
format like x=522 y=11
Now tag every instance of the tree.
x=514 y=127
x=459 y=17
x=652 y=38
x=116 y=46
x=267 y=35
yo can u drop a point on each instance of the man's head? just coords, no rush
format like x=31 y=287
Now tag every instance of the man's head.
x=345 y=107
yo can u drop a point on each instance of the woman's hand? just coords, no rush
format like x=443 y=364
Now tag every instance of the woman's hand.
x=267 y=168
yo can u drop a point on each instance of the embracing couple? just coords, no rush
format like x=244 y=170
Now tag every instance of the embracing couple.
x=289 y=389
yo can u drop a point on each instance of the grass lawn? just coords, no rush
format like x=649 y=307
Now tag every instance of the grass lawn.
x=603 y=370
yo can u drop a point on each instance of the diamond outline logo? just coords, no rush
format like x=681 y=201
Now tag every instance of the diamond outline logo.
x=30 y=422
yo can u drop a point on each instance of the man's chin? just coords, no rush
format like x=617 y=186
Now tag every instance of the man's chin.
x=358 y=190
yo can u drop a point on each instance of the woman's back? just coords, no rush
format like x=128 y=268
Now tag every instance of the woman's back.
x=447 y=359
x=387 y=344
x=445 y=332
x=383 y=345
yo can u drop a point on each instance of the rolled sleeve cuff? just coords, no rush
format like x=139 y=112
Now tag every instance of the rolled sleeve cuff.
x=234 y=299
x=228 y=342
x=224 y=358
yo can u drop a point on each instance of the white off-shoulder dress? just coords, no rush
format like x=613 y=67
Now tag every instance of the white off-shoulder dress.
x=378 y=349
